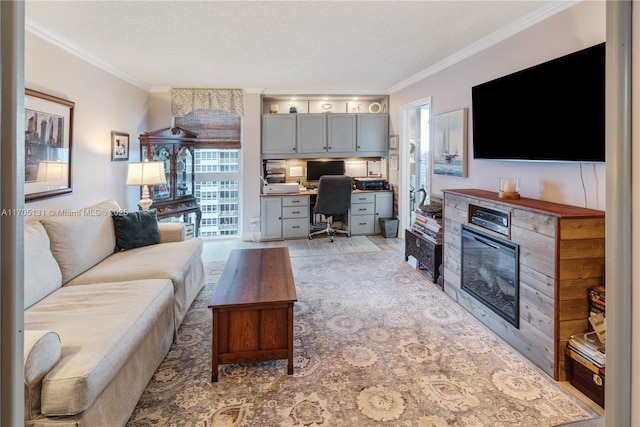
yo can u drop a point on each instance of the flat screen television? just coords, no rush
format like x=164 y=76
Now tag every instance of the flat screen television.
x=551 y=112
x=317 y=168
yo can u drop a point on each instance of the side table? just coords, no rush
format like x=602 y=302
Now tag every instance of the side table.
x=426 y=252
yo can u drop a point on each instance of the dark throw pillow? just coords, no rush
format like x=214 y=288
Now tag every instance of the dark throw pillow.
x=135 y=229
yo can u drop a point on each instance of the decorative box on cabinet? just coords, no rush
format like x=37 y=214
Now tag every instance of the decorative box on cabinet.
x=284 y=217
x=427 y=253
x=175 y=147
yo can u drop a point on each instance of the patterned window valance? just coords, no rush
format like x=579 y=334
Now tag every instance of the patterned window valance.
x=184 y=101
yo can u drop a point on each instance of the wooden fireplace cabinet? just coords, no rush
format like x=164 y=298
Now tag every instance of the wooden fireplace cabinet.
x=175 y=147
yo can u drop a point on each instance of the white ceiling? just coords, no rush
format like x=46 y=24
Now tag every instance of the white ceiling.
x=336 y=47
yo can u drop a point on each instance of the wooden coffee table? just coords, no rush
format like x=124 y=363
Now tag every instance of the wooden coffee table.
x=252 y=309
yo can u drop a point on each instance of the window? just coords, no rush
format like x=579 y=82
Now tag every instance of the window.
x=217 y=169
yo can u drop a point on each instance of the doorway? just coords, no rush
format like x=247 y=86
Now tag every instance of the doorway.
x=415 y=158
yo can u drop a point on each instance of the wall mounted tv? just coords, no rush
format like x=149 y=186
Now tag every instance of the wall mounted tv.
x=317 y=168
x=551 y=112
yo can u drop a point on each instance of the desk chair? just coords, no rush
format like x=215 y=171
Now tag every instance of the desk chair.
x=334 y=198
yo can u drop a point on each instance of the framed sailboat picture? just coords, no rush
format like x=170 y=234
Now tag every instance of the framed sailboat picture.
x=450 y=143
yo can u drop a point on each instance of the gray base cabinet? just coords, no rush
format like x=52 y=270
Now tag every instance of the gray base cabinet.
x=366 y=210
x=284 y=217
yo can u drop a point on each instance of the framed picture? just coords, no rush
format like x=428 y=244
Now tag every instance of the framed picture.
x=119 y=146
x=450 y=143
x=393 y=142
x=393 y=162
x=48 y=135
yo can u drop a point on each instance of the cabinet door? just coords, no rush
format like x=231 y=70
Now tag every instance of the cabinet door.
x=342 y=133
x=384 y=208
x=271 y=218
x=279 y=134
x=373 y=132
x=184 y=171
x=312 y=133
x=162 y=153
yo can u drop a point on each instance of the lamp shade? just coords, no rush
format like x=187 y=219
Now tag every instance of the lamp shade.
x=146 y=173
x=51 y=171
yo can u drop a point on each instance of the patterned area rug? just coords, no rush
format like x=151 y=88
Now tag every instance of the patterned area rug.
x=320 y=245
x=375 y=344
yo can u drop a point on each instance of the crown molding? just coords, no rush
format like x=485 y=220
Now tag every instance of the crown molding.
x=38 y=30
x=485 y=43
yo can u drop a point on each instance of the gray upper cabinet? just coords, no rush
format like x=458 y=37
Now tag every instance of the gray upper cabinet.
x=341 y=133
x=373 y=132
x=279 y=134
x=312 y=133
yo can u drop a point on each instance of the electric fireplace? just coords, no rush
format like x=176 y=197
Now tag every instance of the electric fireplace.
x=490 y=272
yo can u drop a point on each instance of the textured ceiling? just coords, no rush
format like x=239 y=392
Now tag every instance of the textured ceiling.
x=278 y=46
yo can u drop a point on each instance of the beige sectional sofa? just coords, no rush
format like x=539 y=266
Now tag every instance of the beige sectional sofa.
x=98 y=322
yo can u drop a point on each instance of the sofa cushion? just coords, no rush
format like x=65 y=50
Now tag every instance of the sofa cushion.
x=41 y=353
x=181 y=262
x=41 y=272
x=82 y=239
x=100 y=327
x=135 y=229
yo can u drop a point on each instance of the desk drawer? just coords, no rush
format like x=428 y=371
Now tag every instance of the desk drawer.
x=295 y=211
x=295 y=201
x=294 y=228
x=363 y=209
x=362 y=224
x=362 y=198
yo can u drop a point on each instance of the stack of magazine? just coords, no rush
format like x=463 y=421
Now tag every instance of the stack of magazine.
x=429 y=225
x=587 y=346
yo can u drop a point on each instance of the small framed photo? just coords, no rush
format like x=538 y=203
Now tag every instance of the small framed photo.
x=119 y=146
x=393 y=162
x=393 y=142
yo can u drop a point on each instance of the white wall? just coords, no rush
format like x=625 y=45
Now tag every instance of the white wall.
x=103 y=103
x=576 y=28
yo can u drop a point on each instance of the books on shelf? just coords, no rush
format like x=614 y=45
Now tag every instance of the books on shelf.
x=597 y=300
x=428 y=224
x=587 y=345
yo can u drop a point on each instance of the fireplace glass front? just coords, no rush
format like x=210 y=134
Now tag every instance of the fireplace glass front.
x=490 y=272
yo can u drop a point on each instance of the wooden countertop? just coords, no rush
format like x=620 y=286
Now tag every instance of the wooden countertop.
x=314 y=192
x=535 y=205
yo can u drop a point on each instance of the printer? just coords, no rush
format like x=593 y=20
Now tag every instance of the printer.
x=371 y=184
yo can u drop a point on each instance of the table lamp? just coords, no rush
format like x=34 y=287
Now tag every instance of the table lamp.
x=53 y=173
x=145 y=174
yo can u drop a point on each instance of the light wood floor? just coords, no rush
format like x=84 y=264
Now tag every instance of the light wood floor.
x=218 y=250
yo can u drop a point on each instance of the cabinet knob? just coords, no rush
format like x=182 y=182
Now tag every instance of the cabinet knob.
x=417 y=243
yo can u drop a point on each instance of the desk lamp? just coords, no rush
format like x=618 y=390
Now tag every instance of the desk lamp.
x=145 y=174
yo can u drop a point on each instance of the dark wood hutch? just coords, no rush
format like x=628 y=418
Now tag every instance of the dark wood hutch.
x=175 y=147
